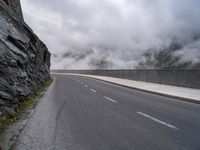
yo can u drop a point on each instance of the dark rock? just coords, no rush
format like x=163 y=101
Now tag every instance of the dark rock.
x=165 y=59
x=24 y=58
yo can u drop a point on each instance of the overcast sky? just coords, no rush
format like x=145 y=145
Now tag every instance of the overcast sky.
x=115 y=30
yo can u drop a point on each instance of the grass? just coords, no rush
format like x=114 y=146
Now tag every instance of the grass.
x=28 y=102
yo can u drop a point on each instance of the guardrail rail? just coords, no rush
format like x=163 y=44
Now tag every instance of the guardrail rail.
x=183 y=78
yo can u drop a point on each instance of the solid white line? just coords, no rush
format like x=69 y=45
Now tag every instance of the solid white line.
x=93 y=90
x=158 y=121
x=110 y=99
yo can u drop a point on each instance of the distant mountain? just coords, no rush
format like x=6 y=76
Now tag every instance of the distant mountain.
x=178 y=55
x=166 y=58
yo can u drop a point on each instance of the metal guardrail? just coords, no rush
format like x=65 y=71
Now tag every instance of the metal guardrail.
x=183 y=78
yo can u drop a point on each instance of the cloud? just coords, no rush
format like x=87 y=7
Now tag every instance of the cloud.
x=117 y=32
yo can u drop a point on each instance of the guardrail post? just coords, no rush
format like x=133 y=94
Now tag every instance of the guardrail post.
x=147 y=76
x=137 y=74
x=177 y=79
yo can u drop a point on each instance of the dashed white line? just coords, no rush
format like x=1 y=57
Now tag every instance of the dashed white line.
x=93 y=90
x=158 y=121
x=110 y=99
x=85 y=86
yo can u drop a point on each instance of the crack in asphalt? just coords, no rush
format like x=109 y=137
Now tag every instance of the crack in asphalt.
x=56 y=127
x=21 y=130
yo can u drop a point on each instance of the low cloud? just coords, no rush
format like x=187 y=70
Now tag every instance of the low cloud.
x=113 y=34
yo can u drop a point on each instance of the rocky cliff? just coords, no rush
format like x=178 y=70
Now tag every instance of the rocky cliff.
x=24 y=58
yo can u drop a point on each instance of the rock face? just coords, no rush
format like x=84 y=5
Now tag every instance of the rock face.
x=165 y=59
x=24 y=58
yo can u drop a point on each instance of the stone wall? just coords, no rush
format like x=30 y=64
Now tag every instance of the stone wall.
x=24 y=58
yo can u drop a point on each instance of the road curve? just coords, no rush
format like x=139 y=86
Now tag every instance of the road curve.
x=78 y=113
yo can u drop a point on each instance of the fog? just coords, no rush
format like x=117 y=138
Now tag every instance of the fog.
x=90 y=34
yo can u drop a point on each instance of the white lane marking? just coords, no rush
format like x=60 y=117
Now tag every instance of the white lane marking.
x=110 y=99
x=158 y=121
x=93 y=90
x=86 y=86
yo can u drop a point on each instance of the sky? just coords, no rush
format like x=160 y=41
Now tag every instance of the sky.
x=84 y=34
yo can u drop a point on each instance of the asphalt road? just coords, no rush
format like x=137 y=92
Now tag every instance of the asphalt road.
x=80 y=113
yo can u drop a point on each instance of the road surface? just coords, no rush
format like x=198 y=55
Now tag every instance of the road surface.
x=79 y=113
